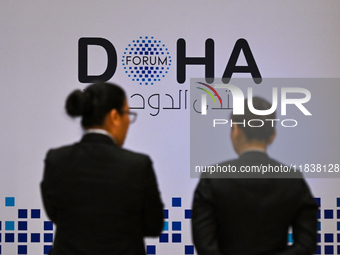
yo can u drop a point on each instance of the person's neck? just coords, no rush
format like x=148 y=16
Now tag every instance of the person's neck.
x=99 y=130
x=253 y=146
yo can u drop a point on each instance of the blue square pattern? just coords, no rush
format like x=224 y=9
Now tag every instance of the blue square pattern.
x=319 y=225
x=166 y=226
x=319 y=214
x=338 y=214
x=176 y=202
x=187 y=214
x=328 y=238
x=338 y=202
x=176 y=238
x=22 y=225
x=47 y=248
x=48 y=237
x=9 y=225
x=318 y=250
x=9 y=238
x=338 y=225
x=22 y=213
x=22 y=249
x=150 y=249
x=48 y=225
x=329 y=249
x=176 y=225
x=188 y=249
x=166 y=214
x=328 y=214
x=9 y=201
x=22 y=238
x=35 y=213
x=338 y=238
x=318 y=201
x=35 y=237
x=164 y=238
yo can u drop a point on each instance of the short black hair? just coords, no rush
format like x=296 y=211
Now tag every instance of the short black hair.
x=95 y=102
x=262 y=133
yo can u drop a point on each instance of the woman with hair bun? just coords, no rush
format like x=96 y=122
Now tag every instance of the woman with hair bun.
x=103 y=199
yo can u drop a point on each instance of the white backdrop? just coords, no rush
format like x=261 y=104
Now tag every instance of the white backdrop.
x=39 y=68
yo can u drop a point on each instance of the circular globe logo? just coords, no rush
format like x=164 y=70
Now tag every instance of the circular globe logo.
x=146 y=60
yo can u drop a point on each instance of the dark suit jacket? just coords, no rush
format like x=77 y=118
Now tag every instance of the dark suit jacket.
x=102 y=198
x=252 y=216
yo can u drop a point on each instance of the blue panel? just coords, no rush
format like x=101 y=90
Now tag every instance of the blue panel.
x=166 y=226
x=9 y=201
x=337 y=248
x=166 y=214
x=176 y=238
x=290 y=238
x=329 y=249
x=0 y=237
x=176 y=225
x=0 y=249
x=164 y=238
x=319 y=238
x=187 y=214
x=22 y=238
x=9 y=225
x=35 y=237
x=22 y=225
x=338 y=214
x=189 y=249
x=338 y=238
x=319 y=214
x=318 y=250
x=319 y=225
x=22 y=213
x=48 y=238
x=9 y=238
x=338 y=202
x=328 y=214
x=48 y=225
x=47 y=248
x=176 y=202
x=35 y=213
x=318 y=201
x=22 y=249
x=329 y=238
x=0 y=225
x=150 y=249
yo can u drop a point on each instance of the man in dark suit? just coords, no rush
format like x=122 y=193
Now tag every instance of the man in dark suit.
x=103 y=199
x=247 y=214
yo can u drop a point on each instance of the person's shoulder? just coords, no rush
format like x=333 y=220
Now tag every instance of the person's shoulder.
x=61 y=151
x=287 y=171
x=134 y=158
x=136 y=155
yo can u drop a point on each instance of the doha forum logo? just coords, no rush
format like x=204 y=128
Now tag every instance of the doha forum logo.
x=146 y=60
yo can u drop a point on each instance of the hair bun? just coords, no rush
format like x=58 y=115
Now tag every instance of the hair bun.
x=76 y=103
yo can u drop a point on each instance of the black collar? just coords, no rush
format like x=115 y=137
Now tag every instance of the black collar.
x=97 y=138
x=254 y=155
